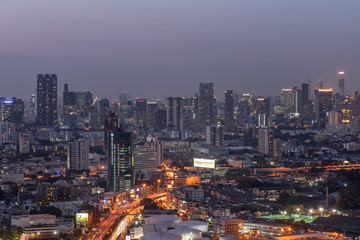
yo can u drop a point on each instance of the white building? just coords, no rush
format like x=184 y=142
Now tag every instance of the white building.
x=78 y=155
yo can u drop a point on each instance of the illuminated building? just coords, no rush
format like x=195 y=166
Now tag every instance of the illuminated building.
x=8 y=132
x=69 y=107
x=323 y=104
x=215 y=135
x=262 y=110
x=175 y=112
x=111 y=123
x=287 y=101
x=145 y=162
x=78 y=155
x=341 y=84
x=47 y=99
x=120 y=161
x=266 y=141
x=84 y=100
x=24 y=143
x=207 y=105
x=229 y=111
x=227 y=225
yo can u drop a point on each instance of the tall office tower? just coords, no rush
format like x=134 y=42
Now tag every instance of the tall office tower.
x=215 y=135
x=94 y=118
x=323 y=104
x=78 y=155
x=229 y=111
x=69 y=98
x=287 y=101
x=84 y=100
x=152 y=109
x=160 y=123
x=140 y=112
x=307 y=110
x=120 y=161
x=175 y=112
x=266 y=141
x=5 y=107
x=24 y=142
x=243 y=114
x=297 y=102
x=104 y=108
x=304 y=93
x=69 y=107
x=341 y=84
x=145 y=162
x=111 y=123
x=262 y=110
x=207 y=105
x=46 y=99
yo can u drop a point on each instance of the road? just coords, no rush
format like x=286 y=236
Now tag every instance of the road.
x=107 y=222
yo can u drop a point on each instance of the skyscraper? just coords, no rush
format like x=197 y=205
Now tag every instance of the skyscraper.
x=78 y=155
x=111 y=123
x=69 y=107
x=341 y=84
x=323 y=104
x=120 y=161
x=229 y=110
x=266 y=141
x=215 y=135
x=207 y=105
x=46 y=99
x=175 y=112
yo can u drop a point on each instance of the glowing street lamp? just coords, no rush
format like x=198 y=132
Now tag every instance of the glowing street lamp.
x=321 y=210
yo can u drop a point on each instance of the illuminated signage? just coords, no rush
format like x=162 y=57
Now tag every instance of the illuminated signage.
x=325 y=90
x=341 y=73
x=8 y=101
x=204 y=163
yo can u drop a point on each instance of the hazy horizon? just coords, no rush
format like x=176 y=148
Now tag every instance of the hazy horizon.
x=166 y=48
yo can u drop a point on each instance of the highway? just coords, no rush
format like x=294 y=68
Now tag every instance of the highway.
x=107 y=222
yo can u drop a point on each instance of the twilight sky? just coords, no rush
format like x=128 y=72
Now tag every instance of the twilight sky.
x=166 y=47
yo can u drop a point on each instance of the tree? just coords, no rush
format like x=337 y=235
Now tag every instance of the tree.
x=149 y=204
x=283 y=197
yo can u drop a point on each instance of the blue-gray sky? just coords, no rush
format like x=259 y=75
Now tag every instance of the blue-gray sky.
x=166 y=47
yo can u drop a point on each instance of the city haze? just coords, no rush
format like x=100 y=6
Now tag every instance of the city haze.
x=166 y=48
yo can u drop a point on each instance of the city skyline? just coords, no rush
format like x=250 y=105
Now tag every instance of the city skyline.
x=131 y=48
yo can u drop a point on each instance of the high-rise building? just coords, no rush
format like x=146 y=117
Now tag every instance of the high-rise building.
x=287 y=101
x=24 y=143
x=229 y=111
x=78 y=155
x=104 y=108
x=266 y=141
x=47 y=99
x=323 y=105
x=262 y=110
x=160 y=122
x=111 y=123
x=84 y=101
x=207 y=105
x=341 y=84
x=120 y=161
x=307 y=109
x=152 y=109
x=69 y=98
x=145 y=162
x=140 y=112
x=215 y=135
x=12 y=110
x=175 y=112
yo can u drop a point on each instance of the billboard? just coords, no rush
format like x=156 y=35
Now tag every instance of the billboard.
x=204 y=163
x=82 y=220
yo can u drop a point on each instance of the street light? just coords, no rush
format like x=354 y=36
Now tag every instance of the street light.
x=321 y=209
x=158 y=184
x=311 y=211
